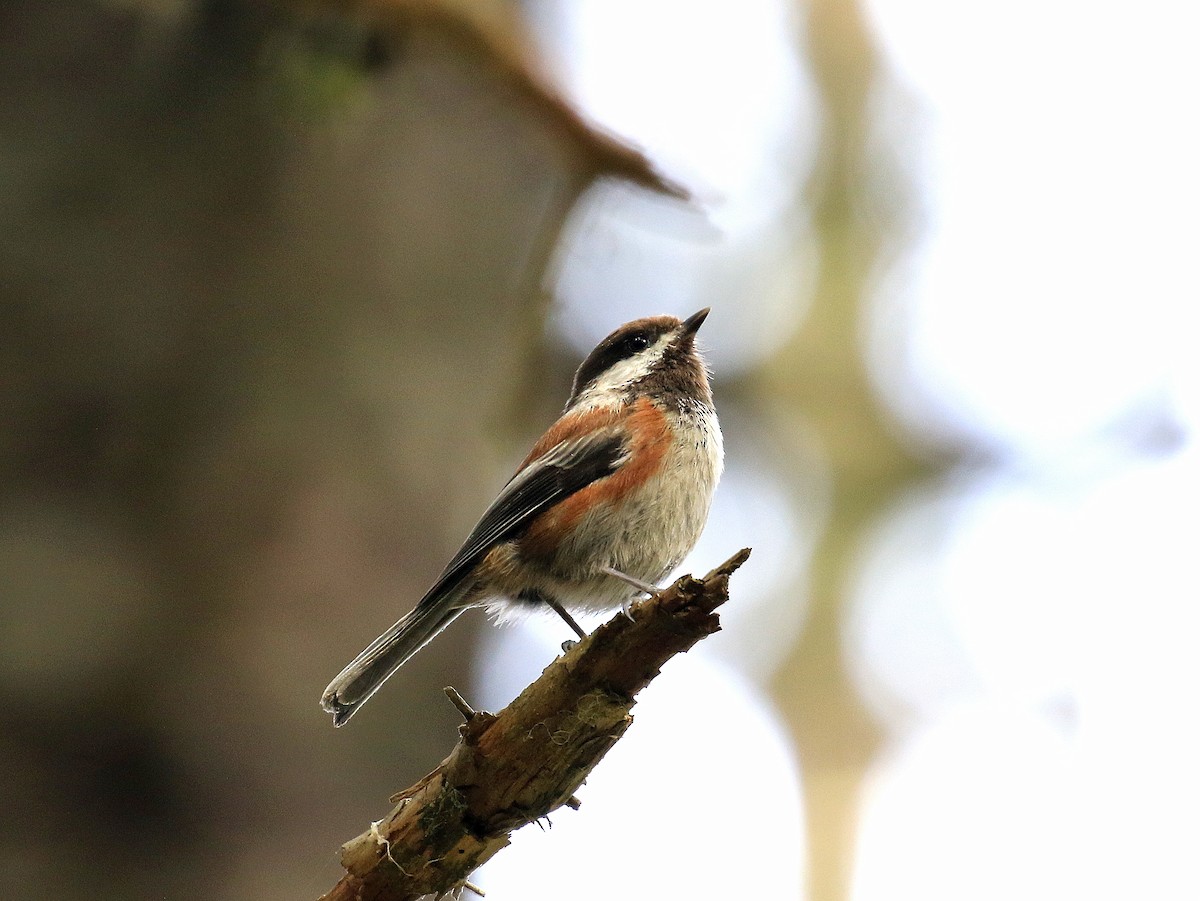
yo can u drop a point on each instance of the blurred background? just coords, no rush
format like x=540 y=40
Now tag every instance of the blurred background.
x=287 y=290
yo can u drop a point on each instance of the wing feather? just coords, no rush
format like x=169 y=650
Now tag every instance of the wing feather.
x=564 y=469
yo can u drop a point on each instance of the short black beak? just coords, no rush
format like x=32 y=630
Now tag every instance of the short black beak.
x=692 y=324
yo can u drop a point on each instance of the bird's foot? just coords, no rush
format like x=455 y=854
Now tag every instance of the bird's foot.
x=644 y=587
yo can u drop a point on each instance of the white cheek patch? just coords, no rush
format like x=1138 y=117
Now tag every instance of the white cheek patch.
x=624 y=373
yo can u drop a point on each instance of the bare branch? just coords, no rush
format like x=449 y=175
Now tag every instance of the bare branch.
x=519 y=765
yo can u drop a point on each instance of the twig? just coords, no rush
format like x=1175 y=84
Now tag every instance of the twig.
x=521 y=764
x=460 y=702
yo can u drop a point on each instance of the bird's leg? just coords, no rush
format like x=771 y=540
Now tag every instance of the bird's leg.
x=644 y=587
x=562 y=611
x=534 y=596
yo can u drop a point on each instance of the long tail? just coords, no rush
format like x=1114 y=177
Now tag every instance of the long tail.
x=363 y=676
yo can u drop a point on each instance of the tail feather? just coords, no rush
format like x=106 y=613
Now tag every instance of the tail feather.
x=364 y=675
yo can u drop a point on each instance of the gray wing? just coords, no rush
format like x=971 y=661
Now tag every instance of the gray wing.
x=556 y=475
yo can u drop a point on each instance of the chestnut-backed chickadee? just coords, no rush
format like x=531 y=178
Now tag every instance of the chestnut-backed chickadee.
x=608 y=502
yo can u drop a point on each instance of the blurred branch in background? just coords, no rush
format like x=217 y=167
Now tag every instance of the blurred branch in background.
x=836 y=738
x=486 y=33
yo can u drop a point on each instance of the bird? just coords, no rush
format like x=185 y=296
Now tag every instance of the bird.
x=608 y=502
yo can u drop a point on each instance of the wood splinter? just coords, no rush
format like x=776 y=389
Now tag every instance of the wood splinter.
x=460 y=702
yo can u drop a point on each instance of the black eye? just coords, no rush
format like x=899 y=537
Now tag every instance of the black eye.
x=636 y=342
